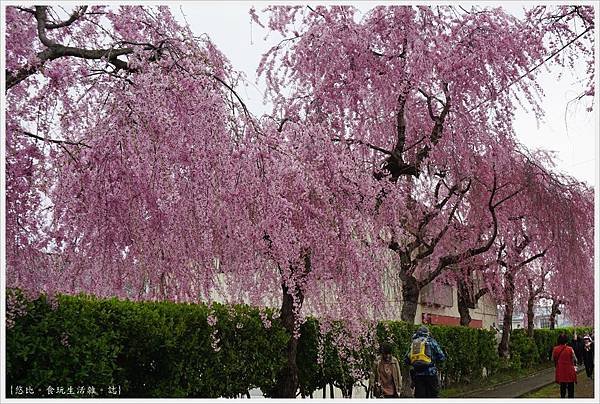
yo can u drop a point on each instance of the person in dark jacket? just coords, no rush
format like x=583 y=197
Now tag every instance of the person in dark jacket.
x=565 y=361
x=423 y=356
x=588 y=356
x=577 y=345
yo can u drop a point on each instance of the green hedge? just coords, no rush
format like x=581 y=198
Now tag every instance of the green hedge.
x=148 y=349
x=164 y=349
x=528 y=352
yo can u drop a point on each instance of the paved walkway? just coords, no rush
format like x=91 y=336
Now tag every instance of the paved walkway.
x=520 y=387
x=513 y=389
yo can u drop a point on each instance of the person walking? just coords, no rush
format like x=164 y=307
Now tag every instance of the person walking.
x=385 y=380
x=588 y=356
x=577 y=345
x=423 y=355
x=564 y=362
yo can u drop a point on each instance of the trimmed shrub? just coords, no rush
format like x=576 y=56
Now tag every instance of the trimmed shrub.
x=322 y=361
x=527 y=352
x=523 y=350
x=68 y=346
x=148 y=349
x=546 y=339
x=165 y=349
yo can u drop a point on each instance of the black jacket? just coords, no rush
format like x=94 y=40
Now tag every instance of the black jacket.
x=577 y=345
x=588 y=356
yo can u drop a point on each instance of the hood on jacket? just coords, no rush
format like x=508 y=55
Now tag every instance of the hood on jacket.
x=422 y=331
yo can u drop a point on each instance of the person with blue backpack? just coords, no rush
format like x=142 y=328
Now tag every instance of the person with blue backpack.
x=423 y=355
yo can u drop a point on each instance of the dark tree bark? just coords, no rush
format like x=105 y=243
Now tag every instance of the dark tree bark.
x=532 y=294
x=509 y=289
x=411 y=287
x=347 y=390
x=287 y=379
x=463 y=310
x=509 y=294
x=555 y=311
x=410 y=299
x=464 y=293
x=467 y=298
x=530 y=315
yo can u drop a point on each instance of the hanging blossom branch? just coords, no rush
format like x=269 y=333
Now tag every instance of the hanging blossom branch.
x=506 y=87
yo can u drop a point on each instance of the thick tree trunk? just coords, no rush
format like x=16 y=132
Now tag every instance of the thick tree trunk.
x=554 y=312
x=287 y=379
x=509 y=293
x=467 y=299
x=410 y=299
x=530 y=315
x=464 y=303
x=465 y=315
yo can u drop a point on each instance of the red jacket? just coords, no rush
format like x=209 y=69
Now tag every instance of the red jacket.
x=564 y=360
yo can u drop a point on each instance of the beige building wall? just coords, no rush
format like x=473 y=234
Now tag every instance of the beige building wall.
x=447 y=313
x=485 y=310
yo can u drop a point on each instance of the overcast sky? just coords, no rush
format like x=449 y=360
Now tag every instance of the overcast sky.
x=567 y=129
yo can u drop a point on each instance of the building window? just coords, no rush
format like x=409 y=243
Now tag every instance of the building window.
x=544 y=322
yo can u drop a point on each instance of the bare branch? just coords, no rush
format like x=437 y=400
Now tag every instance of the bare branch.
x=407 y=148
x=400 y=126
x=438 y=126
x=40 y=16
x=429 y=107
x=531 y=259
x=480 y=294
x=55 y=50
x=74 y=17
x=55 y=141
x=451 y=215
x=280 y=127
x=316 y=12
x=26 y=10
x=357 y=141
x=453 y=259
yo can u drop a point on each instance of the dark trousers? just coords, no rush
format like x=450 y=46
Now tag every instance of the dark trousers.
x=589 y=369
x=426 y=386
x=567 y=386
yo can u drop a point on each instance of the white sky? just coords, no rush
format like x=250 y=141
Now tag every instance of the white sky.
x=567 y=129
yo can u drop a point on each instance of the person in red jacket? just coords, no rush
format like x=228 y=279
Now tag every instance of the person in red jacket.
x=565 y=361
